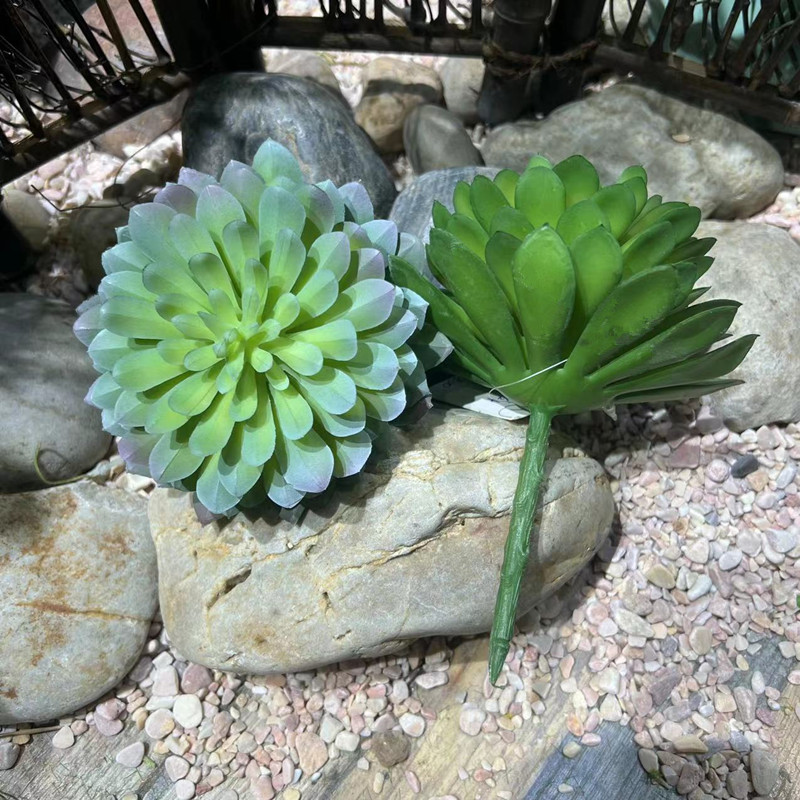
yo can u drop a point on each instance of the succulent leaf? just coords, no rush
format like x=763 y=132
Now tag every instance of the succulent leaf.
x=594 y=285
x=247 y=338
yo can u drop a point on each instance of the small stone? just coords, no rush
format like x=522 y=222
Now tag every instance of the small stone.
x=195 y=677
x=329 y=728
x=107 y=727
x=413 y=725
x=746 y=703
x=701 y=640
x=782 y=540
x=689 y=744
x=730 y=559
x=166 y=682
x=724 y=703
x=607 y=628
x=670 y=775
x=430 y=680
x=176 y=768
x=648 y=759
x=471 y=719
x=744 y=465
x=187 y=710
x=610 y=709
x=347 y=741
x=391 y=748
x=718 y=471
x=701 y=587
x=184 y=789
x=689 y=779
x=159 y=724
x=749 y=542
x=131 y=756
x=111 y=709
x=698 y=552
x=737 y=784
x=763 y=771
x=757 y=683
x=9 y=753
x=263 y=789
x=632 y=623
x=661 y=576
x=64 y=738
x=686 y=455
x=563 y=788
x=434 y=138
x=571 y=749
x=608 y=681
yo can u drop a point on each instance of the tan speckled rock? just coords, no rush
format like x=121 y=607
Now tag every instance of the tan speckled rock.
x=392 y=88
x=77 y=594
x=411 y=547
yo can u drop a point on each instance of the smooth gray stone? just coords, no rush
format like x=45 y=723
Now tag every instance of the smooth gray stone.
x=412 y=210
x=230 y=115
x=461 y=82
x=692 y=155
x=44 y=376
x=411 y=547
x=436 y=139
x=758 y=265
x=77 y=595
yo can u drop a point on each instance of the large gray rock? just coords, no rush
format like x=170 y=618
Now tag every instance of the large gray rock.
x=411 y=547
x=392 y=88
x=230 y=115
x=44 y=376
x=436 y=139
x=724 y=168
x=759 y=265
x=77 y=594
x=461 y=82
x=412 y=210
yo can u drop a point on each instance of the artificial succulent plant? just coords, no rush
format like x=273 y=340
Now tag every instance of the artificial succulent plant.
x=247 y=338
x=566 y=296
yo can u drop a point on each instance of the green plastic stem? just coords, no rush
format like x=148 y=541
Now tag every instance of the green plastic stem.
x=518 y=542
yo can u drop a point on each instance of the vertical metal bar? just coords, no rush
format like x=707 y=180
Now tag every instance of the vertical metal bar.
x=789 y=38
x=378 y=14
x=750 y=41
x=717 y=63
x=657 y=48
x=41 y=59
x=633 y=22
x=24 y=106
x=188 y=28
x=476 y=17
x=91 y=39
x=73 y=56
x=116 y=35
x=158 y=48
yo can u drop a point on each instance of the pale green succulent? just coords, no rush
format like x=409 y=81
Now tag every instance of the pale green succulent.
x=247 y=339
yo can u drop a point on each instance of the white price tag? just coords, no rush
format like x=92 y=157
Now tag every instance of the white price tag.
x=457 y=392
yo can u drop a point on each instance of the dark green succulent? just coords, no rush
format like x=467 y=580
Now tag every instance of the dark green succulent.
x=247 y=339
x=567 y=296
